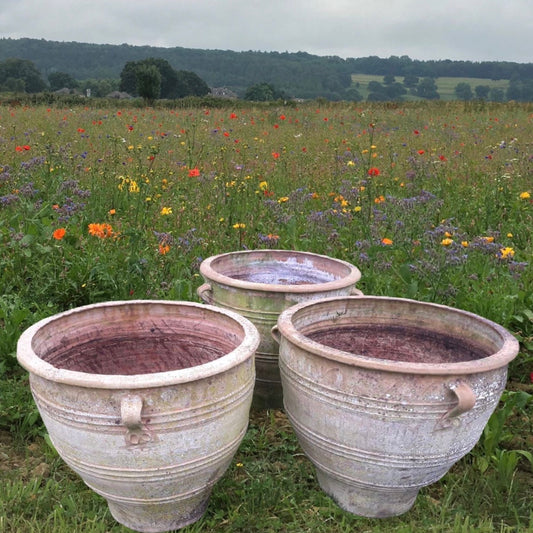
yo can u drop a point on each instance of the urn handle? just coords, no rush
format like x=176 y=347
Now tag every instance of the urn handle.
x=276 y=335
x=205 y=292
x=130 y=413
x=356 y=292
x=466 y=400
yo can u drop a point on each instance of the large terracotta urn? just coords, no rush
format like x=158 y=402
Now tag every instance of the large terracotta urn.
x=259 y=284
x=386 y=394
x=146 y=400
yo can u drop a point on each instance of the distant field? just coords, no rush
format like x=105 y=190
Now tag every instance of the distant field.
x=445 y=86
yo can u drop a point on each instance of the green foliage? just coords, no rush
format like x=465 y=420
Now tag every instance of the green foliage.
x=59 y=80
x=463 y=91
x=148 y=82
x=20 y=75
x=111 y=200
x=263 y=92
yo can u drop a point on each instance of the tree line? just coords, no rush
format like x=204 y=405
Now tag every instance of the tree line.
x=45 y=65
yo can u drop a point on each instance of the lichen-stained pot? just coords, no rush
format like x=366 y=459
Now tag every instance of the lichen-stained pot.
x=146 y=400
x=386 y=394
x=259 y=284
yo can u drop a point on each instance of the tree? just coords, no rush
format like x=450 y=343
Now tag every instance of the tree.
x=463 y=91
x=496 y=94
x=410 y=81
x=482 y=91
x=173 y=84
x=389 y=79
x=427 y=88
x=148 y=83
x=24 y=70
x=262 y=92
x=59 y=80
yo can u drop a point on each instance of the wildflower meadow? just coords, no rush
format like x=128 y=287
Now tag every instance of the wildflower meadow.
x=431 y=201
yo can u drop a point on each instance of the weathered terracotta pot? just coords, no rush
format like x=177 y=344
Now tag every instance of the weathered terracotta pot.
x=146 y=400
x=386 y=394
x=259 y=284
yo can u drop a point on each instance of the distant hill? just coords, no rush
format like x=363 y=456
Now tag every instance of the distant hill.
x=299 y=74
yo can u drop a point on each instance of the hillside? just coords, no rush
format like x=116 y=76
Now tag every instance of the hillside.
x=299 y=75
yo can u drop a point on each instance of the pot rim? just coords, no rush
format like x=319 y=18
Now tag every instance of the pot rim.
x=508 y=351
x=210 y=274
x=29 y=360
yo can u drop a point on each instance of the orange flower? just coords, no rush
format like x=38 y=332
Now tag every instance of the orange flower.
x=59 y=233
x=386 y=241
x=164 y=249
x=194 y=173
x=102 y=231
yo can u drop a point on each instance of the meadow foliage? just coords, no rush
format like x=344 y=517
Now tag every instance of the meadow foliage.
x=431 y=201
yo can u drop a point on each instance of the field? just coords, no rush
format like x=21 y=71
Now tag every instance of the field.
x=445 y=86
x=432 y=201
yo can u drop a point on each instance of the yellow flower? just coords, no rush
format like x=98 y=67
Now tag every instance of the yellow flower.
x=283 y=199
x=166 y=211
x=239 y=225
x=350 y=163
x=507 y=253
x=133 y=186
x=464 y=244
x=357 y=208
x=488 y=239
x=263 y=185
x=525 y=195
x=446 y=242
x=510 y=235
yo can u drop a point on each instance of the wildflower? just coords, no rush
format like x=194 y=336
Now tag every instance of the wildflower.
x=380 y=199
x=525 y=195
x=506 y=253
x=233 y=116
x=102 y=231
x=59 y=233
x=386 y=241
x=239 y=465
x=133 y=186
x=194 y=172
x=442 y=158
x=275 y=155
x=421 y=152
x=446 y=242
x=488 y=239
x=373 y=171
x=350 y=163
x=357 y=208
x=111 y=212
x=510 y=235
x=239 y=225
x=164 y=249
x=263 y=185
x=464 y=244
x=166 y=211
x=283 y=199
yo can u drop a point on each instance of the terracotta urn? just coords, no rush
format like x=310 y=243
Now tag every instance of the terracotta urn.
x=146 y=400
x=386 y=394
x=259 y=284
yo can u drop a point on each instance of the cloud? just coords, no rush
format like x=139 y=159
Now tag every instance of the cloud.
x=454 y=29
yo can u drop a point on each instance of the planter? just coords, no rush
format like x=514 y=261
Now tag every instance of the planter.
x=259 y=284
x=386 y=394
x=146 y=400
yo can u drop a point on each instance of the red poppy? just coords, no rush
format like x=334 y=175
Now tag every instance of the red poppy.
x=233 y=115
x=421 y=152
x=194 y=172
x=373 y=171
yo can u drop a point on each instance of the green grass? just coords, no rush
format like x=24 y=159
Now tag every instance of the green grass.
x=445 y=85
x=432 y=201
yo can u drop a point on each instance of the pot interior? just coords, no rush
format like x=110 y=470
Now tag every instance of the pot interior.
x=280 y=268
x=399 y=343
x=115 y=341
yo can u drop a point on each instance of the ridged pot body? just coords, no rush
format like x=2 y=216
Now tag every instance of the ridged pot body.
x=259 y=285
x=147 y=401
x=385 y=395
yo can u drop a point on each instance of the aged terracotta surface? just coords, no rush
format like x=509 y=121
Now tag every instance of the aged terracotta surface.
x=259 y=284
x=146 y=400
x=386 y=394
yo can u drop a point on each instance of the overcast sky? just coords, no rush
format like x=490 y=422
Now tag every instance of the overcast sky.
x=476 y=30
